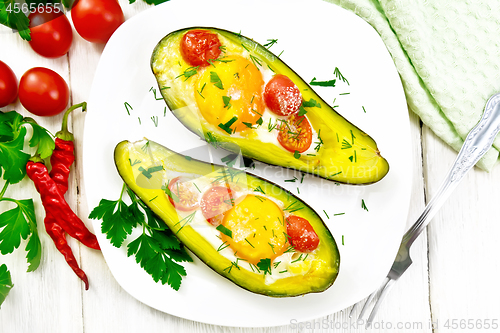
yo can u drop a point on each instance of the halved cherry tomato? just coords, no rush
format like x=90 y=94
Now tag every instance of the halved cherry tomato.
x=43 y=92
x=96 y=20
x=282 y=96
x=295 y=134
x=51 y=32
x=199 y=46
x=184 y=194
x=8 y=85
x=215 y=202
x=302 y=235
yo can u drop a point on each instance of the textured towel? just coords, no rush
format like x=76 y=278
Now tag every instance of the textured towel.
x=447 y=53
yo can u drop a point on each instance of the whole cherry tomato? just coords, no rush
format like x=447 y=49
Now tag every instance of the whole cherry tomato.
x=295 y=134
x=8 y=85
x=96 y=20
x=282 y=96
x=215 y=202
x=302 y=235
x=184 y=196
x=199 y=46
x=51 y=32
x=43 y=92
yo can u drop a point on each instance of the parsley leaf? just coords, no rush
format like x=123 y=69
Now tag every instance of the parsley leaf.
x=157 y=250
x=14 y=227
x=311 y=103
x=33 y=248
x=10 y=124
x=117 y=220
x=16 y=21
x=12 y=159
x=5 y=283
x=215 y=79
x=265 y=265
x=155 y=255
x=43 y=140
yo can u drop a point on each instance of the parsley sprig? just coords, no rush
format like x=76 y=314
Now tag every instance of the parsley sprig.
x=19 y=223
x=157 y=250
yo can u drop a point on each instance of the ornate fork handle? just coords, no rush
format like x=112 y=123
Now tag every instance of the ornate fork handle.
x=477 y=142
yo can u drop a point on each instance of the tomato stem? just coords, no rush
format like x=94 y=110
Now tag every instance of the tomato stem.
x=64 y=133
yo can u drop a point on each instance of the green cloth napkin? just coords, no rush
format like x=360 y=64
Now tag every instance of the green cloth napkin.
x=447 y=53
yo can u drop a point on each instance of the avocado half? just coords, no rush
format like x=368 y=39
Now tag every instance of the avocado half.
x=346 y=154
x=143 y=164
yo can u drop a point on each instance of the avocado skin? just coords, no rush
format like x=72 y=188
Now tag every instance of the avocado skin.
x=318 y=279
x=361 y=164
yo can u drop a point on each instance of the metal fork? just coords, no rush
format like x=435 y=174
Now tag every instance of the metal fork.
x=477 y=142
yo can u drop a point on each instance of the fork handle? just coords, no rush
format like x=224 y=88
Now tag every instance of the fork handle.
x=476 y=144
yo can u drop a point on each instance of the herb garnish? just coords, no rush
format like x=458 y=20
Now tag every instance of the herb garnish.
x=211 y=139
x=215 y=79
x=222 y=246
x=319 y=143
x=249 y=243
x=346 y=144
x=225 y=230
x=270 y=42
x=311 y=103
x=154 y=93
x=259 y=189
x=128 y=107
x=265 y=265
x=256 y=61
x=226 y=100
x=227 y=126
x=293 y=207
x=329 y=83
x=338 y=173
x=363 y=205
x=302 y=111
x=340 y=76
x=156 y=249
x=147 y=173
x=188 y=72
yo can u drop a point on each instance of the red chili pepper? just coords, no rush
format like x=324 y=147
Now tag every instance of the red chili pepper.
x=59 y=217
x=63 y=155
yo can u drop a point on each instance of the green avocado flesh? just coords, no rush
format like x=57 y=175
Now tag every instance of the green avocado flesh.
x=148 y=169
x=339 y=151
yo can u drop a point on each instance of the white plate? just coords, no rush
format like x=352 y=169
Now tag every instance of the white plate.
x=316 y=38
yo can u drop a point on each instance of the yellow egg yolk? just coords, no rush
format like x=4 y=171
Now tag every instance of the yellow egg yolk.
x=257 y=227
x=230 y=94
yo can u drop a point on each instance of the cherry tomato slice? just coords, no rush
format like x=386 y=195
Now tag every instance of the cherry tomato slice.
x=215 y=202
x=96 y=20
x=302 y=235
x=199 y=46
x=295 y=134
x=282 y=96
x=8 y=85
x=51 y=32
x=184 y=194
x=43 y=92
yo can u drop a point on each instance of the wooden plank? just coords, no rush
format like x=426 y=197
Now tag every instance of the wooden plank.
x=463 y=245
